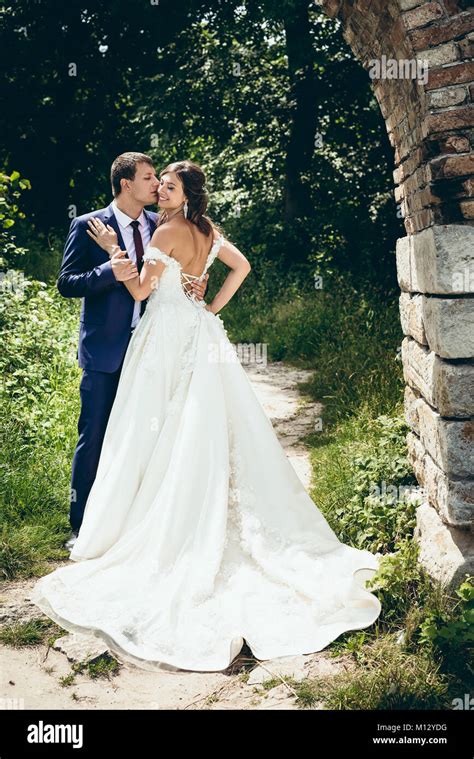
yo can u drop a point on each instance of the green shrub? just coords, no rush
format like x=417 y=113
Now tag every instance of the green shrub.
x=11 y=187
x=362 y=480
x=449 y=631
x=400 y=583
x=39 y=408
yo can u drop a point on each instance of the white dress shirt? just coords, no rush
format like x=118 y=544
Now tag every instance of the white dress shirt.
x=124 y=221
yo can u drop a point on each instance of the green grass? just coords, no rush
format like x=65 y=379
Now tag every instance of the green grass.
x=386 y=677
x=104 y=667
x=66 y=680
x=23 y=634
x=26 y=549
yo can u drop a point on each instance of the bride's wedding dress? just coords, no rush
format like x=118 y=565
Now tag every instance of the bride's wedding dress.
x=198 y=533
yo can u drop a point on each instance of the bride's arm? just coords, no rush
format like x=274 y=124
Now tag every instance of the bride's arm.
x=141 y=286
x=240 y=266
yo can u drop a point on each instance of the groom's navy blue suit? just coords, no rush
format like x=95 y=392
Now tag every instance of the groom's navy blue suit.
x=104 y=333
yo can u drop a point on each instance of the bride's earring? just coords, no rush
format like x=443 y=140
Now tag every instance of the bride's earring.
x=185 y=209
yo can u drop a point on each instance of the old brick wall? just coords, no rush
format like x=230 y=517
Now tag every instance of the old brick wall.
x=430 y=124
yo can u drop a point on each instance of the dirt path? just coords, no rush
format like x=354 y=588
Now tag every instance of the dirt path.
x=30 y=677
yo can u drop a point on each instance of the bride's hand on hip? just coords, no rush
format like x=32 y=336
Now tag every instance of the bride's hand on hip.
x=105 y=236
x=199 y=288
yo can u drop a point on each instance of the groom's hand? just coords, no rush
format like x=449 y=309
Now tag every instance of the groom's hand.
x=199 y=288
x=123 y=268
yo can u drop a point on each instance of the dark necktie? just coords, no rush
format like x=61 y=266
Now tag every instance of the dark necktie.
x=138 y=242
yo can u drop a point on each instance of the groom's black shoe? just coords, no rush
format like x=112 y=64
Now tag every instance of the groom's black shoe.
x=71 y=540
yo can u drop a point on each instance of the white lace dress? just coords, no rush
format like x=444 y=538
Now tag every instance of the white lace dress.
x=198 y=533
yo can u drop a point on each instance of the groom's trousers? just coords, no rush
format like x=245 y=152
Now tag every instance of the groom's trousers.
x=97 y=391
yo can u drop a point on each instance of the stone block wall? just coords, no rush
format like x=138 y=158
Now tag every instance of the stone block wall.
x=430 y=124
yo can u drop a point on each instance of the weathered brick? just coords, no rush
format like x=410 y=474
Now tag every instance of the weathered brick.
x=453 y=499
x=447 y=97
x=410 y=306
x=449 y=327
x=458 y=118
x=399 y=193
x=446 y=553
x=436 y=261
x=414 y=181
x=457 y=143
x=467 y=209
x=442 y=31
x=439 y=144
x=422 y=15
x=419 y=221
x=449 y=75
x=408 y=167
x=438 y=56
x=447 y=387
x=406 y=5
x=447 y=441
x=414 y=203
x=466 y=47
x=452 y=166
x=468 y=186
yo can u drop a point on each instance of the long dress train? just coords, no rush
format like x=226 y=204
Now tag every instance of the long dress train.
x=197 y=533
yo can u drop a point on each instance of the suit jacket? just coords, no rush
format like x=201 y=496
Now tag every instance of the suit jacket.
x=107 y=306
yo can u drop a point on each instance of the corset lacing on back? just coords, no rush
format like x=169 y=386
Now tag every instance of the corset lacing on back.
x=186 y=279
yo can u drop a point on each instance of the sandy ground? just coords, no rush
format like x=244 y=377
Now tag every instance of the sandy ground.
x=30 y=677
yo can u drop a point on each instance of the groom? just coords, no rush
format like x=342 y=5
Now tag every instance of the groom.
x=109 y=314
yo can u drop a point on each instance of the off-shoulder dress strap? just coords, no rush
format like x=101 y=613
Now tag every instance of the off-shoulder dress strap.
x=213 y=253
x=152 y=255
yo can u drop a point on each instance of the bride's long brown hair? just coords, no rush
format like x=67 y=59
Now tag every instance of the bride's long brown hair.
x=193 y=180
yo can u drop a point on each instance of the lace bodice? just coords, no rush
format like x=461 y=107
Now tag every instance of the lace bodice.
x=173 y=282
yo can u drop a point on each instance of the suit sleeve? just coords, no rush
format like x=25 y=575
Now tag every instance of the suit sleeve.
x=74 y=279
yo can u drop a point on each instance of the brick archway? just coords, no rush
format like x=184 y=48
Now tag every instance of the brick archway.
x=430 y=124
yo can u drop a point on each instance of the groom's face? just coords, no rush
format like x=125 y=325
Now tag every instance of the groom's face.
x=144 y=187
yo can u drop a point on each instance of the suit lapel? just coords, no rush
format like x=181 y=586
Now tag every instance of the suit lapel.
x=110 y=219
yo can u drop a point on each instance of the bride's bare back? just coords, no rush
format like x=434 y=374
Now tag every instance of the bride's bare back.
x=190 y=247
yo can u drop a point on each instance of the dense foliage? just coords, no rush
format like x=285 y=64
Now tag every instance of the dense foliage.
x=267 y=96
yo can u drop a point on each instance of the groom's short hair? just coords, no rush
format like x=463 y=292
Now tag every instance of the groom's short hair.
x=125 y=167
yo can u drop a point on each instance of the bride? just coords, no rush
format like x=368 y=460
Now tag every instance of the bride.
x=197 y=533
